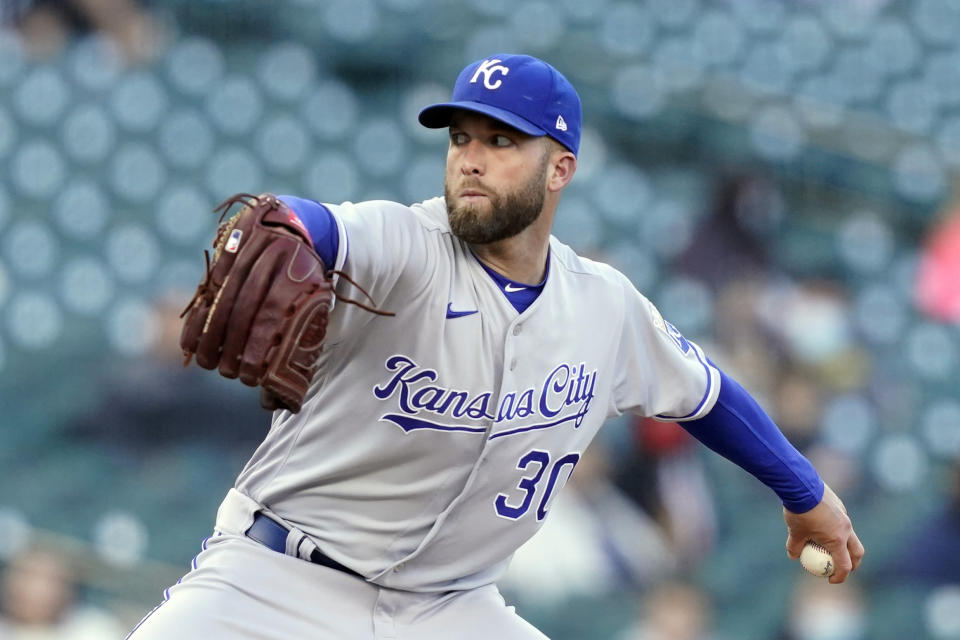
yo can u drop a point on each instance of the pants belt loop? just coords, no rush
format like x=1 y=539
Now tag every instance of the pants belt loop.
x=299 y=544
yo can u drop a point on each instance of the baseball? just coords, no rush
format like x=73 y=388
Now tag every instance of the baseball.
x=817 y=560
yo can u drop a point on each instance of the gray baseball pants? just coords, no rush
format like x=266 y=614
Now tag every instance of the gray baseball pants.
x=239 y=589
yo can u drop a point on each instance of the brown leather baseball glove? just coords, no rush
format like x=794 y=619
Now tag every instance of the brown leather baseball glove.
x=260 y=312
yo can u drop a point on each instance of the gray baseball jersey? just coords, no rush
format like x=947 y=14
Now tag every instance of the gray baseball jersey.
x=431 y=444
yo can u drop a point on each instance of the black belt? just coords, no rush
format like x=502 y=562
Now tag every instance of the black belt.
x=273 y=535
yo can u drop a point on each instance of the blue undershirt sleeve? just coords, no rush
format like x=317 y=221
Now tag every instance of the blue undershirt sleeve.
x=320 y=224
x=740 y=430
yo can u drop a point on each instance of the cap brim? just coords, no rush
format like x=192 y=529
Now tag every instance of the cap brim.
x=437 y=116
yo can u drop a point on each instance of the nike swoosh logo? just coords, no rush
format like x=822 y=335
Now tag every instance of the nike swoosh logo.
x=512 y=289
x=458 y=314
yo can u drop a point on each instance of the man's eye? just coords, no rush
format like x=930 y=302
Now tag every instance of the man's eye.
x=502 y=141
x=458 y=138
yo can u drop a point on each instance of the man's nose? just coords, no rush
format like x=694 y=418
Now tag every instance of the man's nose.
x=473 y=159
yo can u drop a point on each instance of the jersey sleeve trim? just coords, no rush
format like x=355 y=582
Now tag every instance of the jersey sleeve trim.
x=327 y=233
x=320 y=224
x=710 y=394
x=343 y=250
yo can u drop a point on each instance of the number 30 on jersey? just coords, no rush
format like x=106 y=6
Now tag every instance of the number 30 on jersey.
x=536 y=464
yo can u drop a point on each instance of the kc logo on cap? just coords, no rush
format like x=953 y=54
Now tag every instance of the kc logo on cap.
x=488 y=68
x=521 y=91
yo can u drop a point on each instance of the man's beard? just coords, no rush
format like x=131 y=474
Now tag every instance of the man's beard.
x=509 y=215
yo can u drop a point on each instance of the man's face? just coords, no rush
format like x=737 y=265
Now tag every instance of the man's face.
x=496 y=179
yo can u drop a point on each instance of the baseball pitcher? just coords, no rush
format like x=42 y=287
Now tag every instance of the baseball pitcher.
x=436 y=372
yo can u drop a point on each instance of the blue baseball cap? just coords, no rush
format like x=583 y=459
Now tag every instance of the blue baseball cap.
x=521 y=91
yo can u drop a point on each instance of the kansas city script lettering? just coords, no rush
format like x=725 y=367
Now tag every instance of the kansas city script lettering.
x=566 y=386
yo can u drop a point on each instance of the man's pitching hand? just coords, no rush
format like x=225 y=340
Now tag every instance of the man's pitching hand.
x=829 y=525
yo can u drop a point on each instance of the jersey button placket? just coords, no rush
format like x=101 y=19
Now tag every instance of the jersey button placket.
x=517 y=328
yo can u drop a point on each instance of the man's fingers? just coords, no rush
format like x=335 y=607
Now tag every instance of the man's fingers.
x=794 y=546
x=846 y=557
x=842 y=563
x=856 y=549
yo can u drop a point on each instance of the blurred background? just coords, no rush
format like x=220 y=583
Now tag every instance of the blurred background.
x=778 y=176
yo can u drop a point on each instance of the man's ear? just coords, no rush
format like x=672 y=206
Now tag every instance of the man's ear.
x=563 y=164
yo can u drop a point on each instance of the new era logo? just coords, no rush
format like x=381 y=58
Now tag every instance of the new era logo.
x=561 y=124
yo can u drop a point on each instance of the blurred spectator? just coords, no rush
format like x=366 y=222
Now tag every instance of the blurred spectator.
x=617 y=545
x=841 y=470
x=39 y=601
x=810 y=319
x=47 y=26
x=153 y=401
x=732 y=243
x=764 y=319
x=742 y=345
x=939 y=538
x=938 y=275
x=667 y=479
x=819 y=610
x=673 y=611
x=797 y=405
